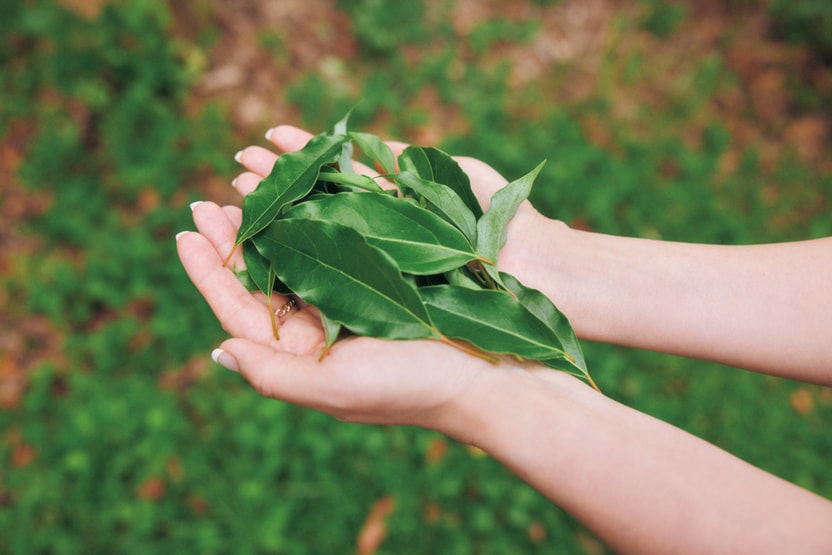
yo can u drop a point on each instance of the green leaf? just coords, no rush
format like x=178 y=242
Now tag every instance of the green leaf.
x=462 y=277
x=332 y=267
x=332 y=330
x=345 y=160
x=419 y=241
x=292 y=177
x=491 y=227
x=259 y=271
x=438 y=166
x=258 y=268
x=490 y=320
x=351 y=181
x=376 y=149
x=245 y=278
x=441 y=200
x=545 y=310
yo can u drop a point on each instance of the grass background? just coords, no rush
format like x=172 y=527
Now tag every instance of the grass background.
x=701 y=122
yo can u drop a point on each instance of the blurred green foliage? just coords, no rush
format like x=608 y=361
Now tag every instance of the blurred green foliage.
x=128 y=441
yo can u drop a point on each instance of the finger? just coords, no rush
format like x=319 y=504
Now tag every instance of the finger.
x=294 y=378
x=240 y=314
x=214 y=224
x=234 y=214
x=288 y=138
x=257 y=159
x=247 y=182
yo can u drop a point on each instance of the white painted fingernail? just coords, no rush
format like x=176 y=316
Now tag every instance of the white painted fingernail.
x=225 y=360
x=234 y=182
x=180 y=234
x=269 y=133
x=239 y=157
x=194 y=204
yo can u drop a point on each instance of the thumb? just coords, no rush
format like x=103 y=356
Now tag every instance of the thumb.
x=272 y=373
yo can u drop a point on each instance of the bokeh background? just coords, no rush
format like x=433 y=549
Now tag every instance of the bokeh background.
x=697 y=121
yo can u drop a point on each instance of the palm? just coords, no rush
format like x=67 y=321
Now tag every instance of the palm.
x=360 y=379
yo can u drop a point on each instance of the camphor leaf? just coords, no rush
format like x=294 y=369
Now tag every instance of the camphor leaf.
x=349 y=181
x=292 y=177
x=376 y=149
x=435 y=165
x=491 y=227
x=332 y=267
x=332 y=330
x=441 y=200
x=544 y=309
x=419 y=241
x=490 y=320
x=258 y=267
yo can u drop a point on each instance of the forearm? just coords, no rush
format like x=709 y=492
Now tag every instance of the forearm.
x=641 y=485
x=763 y=307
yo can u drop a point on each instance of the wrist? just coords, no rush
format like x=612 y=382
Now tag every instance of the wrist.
x=533 y=247
x=507 y=401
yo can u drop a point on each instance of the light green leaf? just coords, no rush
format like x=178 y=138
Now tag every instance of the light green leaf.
x=376 y=149
x=350 y=181
x=491 y=227
x=345 y=160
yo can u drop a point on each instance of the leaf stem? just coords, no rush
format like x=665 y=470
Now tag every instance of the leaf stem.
x=466 y=349
x=230 y=254
x=592 y=383
x=274 y=318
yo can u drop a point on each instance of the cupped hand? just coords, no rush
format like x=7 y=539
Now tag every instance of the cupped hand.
x=361 y=379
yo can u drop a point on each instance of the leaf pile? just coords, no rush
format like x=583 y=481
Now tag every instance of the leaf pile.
x=418 y=261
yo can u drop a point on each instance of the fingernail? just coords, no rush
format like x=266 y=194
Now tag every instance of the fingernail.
x=225 y=360
x=180 y=234
x=269 y=133
x=239 y=157
x=234 y=182
x=194 y=204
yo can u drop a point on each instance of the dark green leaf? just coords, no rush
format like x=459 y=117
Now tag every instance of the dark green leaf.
x=443 y=201
x=440 y=167
x=376 y=149
x=258 y=268
x=490 y=320
x=544 y=309
x=419 y=241
x=332 y=267
x=259 y=271
x=491 y=227
x=292 y=177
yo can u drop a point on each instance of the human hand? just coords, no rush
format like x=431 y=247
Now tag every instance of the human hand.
x=361 y=379
x=529 y=234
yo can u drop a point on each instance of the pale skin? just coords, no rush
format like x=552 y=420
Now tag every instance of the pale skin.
x=641 y=485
